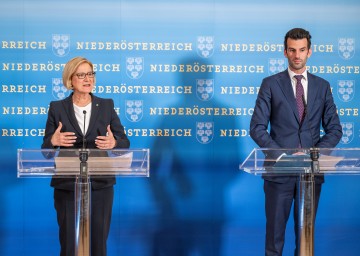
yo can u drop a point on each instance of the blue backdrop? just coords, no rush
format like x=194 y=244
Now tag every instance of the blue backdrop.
x=184 y=76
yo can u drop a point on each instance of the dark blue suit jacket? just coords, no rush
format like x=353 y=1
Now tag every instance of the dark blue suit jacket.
x=102 y=115
x=276 y=106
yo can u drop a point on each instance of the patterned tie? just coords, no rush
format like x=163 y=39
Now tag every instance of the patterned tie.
x=299 y=96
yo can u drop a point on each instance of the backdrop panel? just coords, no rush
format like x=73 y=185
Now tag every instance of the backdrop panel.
x=184 y=76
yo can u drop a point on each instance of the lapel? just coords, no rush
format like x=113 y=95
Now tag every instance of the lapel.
x=94 y=112
x=69 y=109
x=286 y=87
x=312 y=92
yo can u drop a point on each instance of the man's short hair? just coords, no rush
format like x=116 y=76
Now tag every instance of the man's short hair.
x=296 y=34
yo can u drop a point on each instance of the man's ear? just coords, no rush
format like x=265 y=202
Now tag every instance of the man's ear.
x=309 y=53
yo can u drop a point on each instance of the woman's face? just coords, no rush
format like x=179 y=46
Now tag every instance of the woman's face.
x=83 y=79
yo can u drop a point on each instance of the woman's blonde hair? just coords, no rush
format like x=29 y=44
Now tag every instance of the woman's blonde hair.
x=70 y=69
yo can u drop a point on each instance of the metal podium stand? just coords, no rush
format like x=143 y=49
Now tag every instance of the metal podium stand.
x=82 y=164
x=305 y=163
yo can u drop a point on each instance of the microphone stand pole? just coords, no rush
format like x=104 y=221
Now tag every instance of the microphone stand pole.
x=82 y=204
x=306 y=211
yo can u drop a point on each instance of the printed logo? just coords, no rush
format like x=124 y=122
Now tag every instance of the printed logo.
x=204 y=132
x=59 y=91
x=346 y=48
x=134 y=67
x=276 y=65
x=204 y=89
x=346 y=90
x=205 y=46
x=134 y=110
x=348 y=132
x=60 y=44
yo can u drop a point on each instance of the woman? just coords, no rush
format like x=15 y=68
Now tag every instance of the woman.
x=83 y=119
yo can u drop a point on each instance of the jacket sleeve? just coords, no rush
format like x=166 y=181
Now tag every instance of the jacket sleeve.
x=117 y=129
x=261 y=117
x=49 y=128
x=330 y=123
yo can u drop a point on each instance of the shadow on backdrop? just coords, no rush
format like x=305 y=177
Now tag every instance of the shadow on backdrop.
x=9 y=233
x=189 y=175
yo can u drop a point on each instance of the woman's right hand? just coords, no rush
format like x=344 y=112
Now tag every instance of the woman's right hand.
x=63 y=139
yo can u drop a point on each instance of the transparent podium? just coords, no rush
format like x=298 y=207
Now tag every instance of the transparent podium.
x=306 y=164
x=82 y=164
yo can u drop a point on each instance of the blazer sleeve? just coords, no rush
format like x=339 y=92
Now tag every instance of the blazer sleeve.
x=50 y=127
x=261 y=117
x=330 y=122
x=117 y=129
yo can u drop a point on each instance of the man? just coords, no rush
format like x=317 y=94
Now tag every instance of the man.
x=292 y=127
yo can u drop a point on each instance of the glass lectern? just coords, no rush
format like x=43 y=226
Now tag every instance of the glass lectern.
x=82 y=164
x=305 y=163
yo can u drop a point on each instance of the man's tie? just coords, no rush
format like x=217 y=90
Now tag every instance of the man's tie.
x=299 y=96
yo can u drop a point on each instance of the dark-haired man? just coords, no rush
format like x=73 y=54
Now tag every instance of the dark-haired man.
x=277 y=106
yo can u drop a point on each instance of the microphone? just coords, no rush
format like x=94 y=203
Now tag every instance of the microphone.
x=83 y=154
x=305 y=116
x=84 y=112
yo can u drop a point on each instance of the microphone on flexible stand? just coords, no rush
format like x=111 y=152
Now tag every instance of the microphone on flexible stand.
x=314 y=152
x=83 y=147
x=305 y=116
x=83 y=156
x=305 y=106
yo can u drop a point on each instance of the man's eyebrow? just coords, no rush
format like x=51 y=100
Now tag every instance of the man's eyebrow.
x=291 y=48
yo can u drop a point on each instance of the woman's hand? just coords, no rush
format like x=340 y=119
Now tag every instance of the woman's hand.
x=106 y=142
x=63 y=139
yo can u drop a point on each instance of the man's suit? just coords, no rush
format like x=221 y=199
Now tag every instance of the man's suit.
x=276 y=106
x=102 y=115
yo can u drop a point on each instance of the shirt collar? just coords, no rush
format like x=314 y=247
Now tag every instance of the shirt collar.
x=292 y=74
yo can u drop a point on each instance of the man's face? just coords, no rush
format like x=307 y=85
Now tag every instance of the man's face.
x=297 y=53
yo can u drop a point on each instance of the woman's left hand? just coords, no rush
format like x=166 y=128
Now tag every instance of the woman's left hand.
x=106 y=142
